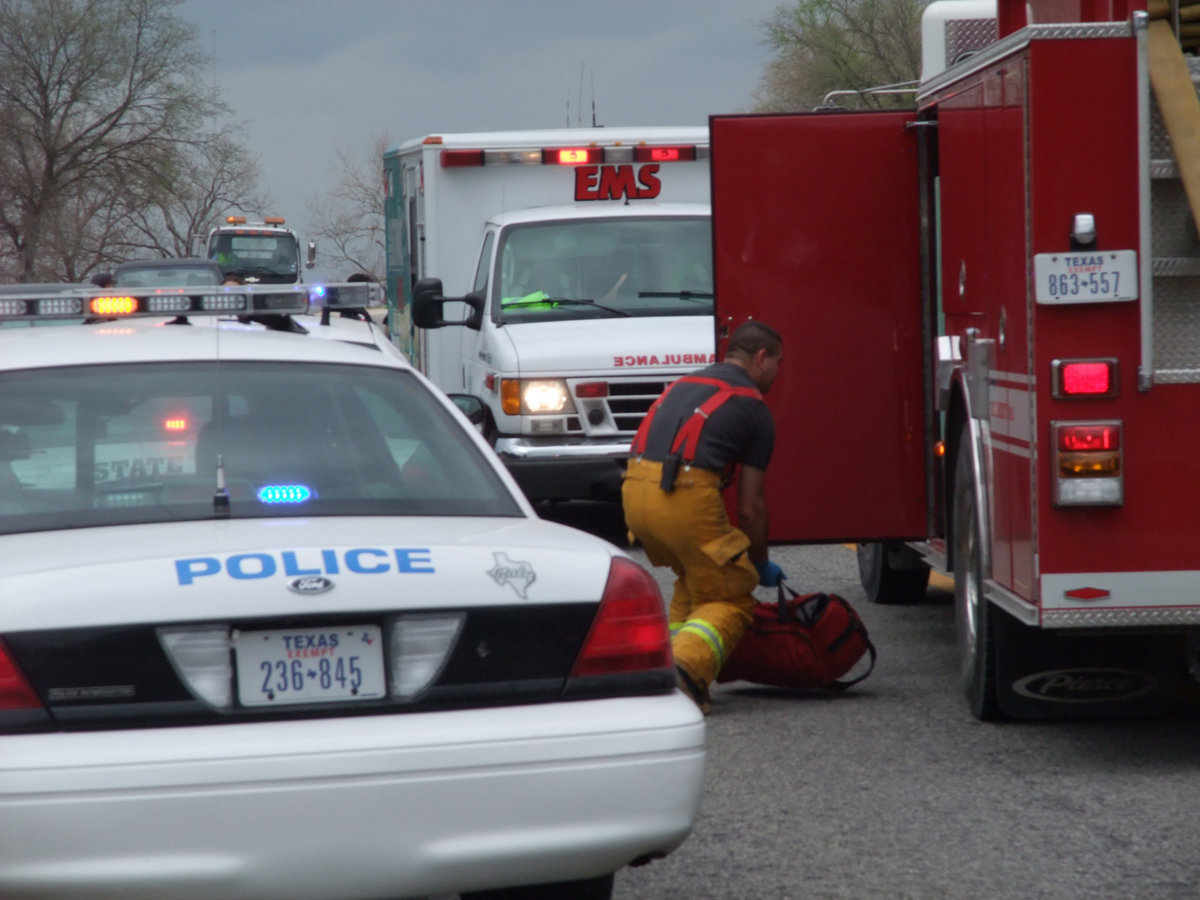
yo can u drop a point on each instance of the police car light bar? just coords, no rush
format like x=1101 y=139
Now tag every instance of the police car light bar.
x=356 y=295
x=142 y=302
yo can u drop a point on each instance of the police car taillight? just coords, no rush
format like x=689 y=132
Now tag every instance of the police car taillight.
x=1074 y=378
x=629 y=633
x=1087 y=463
x=15 y=690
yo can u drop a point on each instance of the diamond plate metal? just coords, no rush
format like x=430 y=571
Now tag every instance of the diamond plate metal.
x=965 y=36
x=1175 y=252
x=1119 y=618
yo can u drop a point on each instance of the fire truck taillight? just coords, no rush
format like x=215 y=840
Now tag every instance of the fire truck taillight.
x=1087 y=464
x=1074 y=378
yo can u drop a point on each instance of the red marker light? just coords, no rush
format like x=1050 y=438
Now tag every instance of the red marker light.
x=1086 y=378
x=1083 y=438
x=664 y=154
x=592 y=389
x=573 y=156
x=112 y=306
x=175 y=423
x=455 y=159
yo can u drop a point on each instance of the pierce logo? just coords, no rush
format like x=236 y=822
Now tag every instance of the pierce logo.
x=310 y=584
x=1085 y=685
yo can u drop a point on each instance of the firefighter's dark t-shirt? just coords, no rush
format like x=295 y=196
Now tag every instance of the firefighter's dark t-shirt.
x=741 y=430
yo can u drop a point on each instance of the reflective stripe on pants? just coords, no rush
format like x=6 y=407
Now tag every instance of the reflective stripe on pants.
x=689 y=530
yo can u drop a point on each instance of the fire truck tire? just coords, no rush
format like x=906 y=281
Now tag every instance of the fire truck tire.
x=883 y=582
x=974 y=618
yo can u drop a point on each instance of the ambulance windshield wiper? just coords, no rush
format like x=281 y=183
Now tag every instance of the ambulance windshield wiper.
x=698 y=296
x=566 y=301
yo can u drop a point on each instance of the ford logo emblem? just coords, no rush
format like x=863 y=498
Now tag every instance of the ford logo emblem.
x=1085 y=685
x=310 y=584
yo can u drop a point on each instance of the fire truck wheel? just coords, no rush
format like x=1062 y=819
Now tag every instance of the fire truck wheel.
x=974 y=617
x=883 y=581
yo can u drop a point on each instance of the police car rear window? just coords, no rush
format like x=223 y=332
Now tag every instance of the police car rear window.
x=88 y=446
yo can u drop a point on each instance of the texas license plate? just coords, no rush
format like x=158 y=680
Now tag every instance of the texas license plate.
x=309 y=665
x=1086 y=277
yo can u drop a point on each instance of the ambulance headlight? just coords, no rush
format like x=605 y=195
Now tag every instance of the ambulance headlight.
x=538 y=397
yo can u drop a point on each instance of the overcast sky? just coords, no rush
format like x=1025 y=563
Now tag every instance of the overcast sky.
x=309 y=75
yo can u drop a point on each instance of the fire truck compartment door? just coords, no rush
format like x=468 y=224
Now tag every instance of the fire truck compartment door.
x=816 y=232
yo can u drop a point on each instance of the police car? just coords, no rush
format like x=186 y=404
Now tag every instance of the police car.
x=274 y=622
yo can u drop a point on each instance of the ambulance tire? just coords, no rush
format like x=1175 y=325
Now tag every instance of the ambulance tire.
x=975 y=620
x=882 y=582
x=600 y=888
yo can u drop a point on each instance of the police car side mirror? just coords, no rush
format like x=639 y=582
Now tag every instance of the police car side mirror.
x=471 y=406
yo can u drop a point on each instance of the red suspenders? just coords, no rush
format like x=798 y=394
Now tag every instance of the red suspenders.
x=688 y=435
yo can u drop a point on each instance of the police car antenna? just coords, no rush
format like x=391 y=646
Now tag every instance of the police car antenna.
x=221 y=497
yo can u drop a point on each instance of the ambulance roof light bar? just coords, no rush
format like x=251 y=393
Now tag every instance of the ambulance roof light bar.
x=590 y=154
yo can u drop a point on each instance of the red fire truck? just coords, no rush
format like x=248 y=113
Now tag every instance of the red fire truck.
x=991 y=312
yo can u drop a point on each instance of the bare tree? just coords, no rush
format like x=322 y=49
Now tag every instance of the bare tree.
x=350 y=218
x=98 y=98
x=822 y=46
x=216 y=177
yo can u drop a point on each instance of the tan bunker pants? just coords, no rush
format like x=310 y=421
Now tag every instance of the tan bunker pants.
x=689 y=530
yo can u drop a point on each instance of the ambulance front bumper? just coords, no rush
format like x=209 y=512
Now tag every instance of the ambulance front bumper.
x=557 y=471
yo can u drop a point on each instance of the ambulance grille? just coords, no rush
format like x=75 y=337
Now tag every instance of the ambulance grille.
x=619 y=413
x=628 y=402
x=1175 y=248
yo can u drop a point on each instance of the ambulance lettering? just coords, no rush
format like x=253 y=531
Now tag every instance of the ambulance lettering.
x=617 y=182
x=292 y=563
x=666 y=359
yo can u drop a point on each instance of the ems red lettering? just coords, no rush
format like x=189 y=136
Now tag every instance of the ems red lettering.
x=617 y=182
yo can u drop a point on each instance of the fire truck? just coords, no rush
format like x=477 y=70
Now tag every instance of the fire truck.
x=266 y=252
x=990 y=305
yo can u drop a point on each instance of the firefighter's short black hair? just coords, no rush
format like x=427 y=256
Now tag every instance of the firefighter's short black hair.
x=752 y=336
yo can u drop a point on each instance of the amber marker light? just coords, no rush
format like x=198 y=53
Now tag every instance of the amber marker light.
x=112 y=306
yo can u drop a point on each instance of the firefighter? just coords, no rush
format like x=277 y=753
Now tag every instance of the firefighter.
x=702 y=427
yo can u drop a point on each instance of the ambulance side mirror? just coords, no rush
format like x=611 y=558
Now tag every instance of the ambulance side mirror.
x=428 y=306
x=312 y=255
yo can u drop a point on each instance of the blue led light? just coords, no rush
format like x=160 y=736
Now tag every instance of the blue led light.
x=317 y=291
x=285 y=493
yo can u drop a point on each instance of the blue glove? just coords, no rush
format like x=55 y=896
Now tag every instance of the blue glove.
x=769 y=573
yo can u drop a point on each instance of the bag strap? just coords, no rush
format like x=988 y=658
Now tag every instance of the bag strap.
x=855 y=625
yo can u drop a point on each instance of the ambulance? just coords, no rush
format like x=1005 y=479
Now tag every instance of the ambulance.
x=562 y=277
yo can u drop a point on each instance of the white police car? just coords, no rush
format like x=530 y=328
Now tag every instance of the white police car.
x=275 y=623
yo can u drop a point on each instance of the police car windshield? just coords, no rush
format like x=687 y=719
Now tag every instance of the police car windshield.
x=601 y=268
x=120 y=444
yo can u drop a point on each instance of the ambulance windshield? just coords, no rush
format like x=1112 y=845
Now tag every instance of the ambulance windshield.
x=600 y=268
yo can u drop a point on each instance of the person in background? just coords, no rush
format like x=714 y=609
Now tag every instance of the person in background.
x=701 y=430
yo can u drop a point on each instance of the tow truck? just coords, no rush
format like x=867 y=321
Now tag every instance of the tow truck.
x=266 y=252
